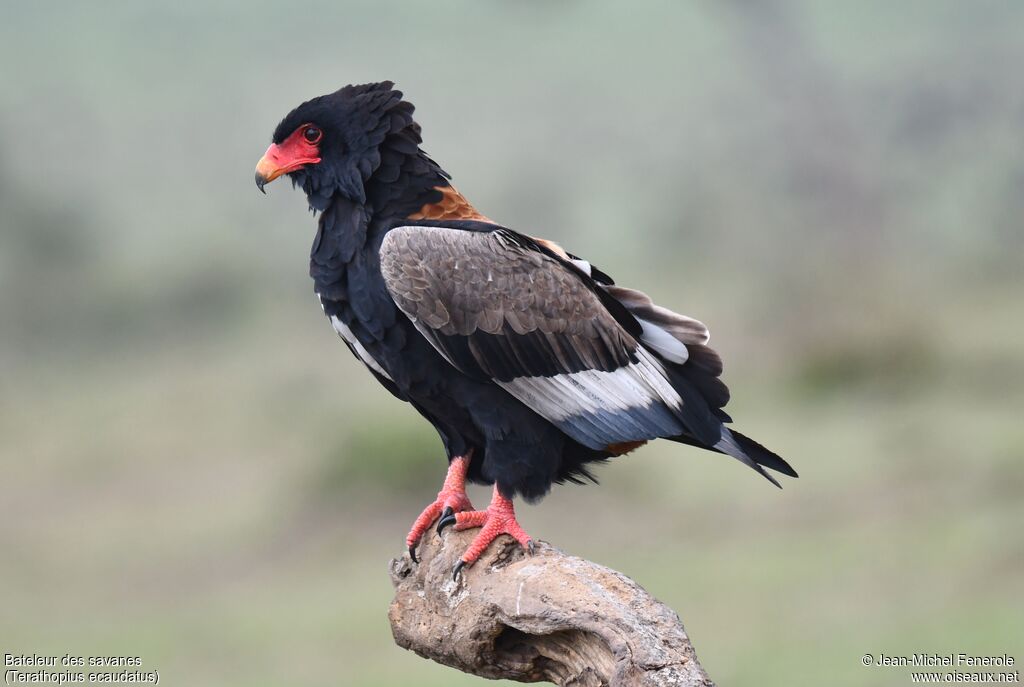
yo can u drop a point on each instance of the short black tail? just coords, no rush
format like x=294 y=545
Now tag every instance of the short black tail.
x=747 y=451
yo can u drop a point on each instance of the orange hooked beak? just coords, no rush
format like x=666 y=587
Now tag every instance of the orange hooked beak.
x=269 y=167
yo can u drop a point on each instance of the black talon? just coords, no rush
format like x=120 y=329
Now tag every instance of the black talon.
x=447 y=518
x=412 y=553
x=458 y=568
x=531 y=548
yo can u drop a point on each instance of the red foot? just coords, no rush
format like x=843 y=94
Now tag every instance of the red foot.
x=452 y=495
x=498 y=519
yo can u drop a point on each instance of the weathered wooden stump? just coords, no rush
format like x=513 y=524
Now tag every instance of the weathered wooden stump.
x=547 y=617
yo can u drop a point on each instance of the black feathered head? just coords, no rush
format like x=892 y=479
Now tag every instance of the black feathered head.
x=337 y=142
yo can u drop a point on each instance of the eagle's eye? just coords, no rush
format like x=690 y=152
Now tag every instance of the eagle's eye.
x=312 y=134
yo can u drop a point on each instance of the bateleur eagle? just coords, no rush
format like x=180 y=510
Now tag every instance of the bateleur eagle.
x=529 y=362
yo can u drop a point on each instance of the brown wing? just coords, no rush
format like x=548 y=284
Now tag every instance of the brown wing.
x=486 y=284
x=496 y=305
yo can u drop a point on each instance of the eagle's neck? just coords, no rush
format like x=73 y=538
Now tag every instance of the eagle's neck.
x=347 y=227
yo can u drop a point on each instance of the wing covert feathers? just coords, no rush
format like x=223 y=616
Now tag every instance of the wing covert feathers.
x=497 y=306
x=482 y=285
x=603 y=363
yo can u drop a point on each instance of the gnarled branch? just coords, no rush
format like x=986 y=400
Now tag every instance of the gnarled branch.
x=550 y=616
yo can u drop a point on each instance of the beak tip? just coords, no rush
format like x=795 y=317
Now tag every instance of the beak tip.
x=261 y=181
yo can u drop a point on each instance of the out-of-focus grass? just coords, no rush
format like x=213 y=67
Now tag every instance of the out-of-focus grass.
x=172 y=517
x=195 y=471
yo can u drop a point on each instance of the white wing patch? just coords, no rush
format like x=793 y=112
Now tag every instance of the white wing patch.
x=583 y=265
x=663 y=343
x=358 y=347
x=637 y=385
x=623 y=393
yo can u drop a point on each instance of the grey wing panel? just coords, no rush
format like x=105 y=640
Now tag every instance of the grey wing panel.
x=497 y=309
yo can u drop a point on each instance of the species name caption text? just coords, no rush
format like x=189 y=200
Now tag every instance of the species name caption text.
x=29 y=669
x=947 y=668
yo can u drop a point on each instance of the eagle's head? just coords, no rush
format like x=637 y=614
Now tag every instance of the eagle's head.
x=343 y=142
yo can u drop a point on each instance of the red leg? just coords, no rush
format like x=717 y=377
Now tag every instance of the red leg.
x=498 y=519
x=451 y=498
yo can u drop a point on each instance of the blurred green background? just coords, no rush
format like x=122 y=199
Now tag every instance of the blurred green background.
x=195 y=470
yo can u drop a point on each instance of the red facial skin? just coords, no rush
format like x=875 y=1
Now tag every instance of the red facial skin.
x=292 y=153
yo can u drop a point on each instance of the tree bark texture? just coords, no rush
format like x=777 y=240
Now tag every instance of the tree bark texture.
x=547 y=617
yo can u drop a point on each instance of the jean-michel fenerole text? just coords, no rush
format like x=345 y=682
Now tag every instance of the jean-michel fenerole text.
x=953 y=660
